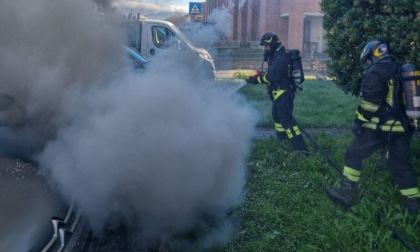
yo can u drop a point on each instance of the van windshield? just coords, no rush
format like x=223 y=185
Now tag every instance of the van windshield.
x=187 y=40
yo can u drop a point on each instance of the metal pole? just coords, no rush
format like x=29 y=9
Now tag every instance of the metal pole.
x=193 y=29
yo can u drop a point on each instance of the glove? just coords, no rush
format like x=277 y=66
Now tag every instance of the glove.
x=252 y=80
x=257 y=74
x=356 y=128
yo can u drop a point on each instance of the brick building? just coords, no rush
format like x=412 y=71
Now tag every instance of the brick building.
x=297 y=22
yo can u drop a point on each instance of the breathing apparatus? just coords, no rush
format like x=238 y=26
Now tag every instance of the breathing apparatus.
x=296 y=68
x=409 y=78
x=410 y=81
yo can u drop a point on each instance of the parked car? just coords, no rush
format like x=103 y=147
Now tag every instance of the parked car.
x=138 y=60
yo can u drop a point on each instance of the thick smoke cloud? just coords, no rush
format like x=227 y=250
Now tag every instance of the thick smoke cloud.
x=47 y=47
x=160 y=153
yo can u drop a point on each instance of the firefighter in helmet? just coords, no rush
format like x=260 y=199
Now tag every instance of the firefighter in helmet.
x=281 y=90
x=380 y=123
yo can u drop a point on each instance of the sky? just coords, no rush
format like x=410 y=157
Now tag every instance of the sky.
x=174 y=2
x=178 y=5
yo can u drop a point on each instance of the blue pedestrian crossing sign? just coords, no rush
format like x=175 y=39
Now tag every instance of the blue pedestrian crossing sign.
x=195 y=8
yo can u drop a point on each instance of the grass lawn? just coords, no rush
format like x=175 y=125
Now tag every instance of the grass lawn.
x=320 y=104
x=286 y=208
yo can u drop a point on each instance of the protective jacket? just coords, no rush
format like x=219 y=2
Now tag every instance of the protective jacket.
x=382 y=106
x=277 y=75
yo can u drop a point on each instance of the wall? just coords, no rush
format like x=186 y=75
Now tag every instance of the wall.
x=284 y=17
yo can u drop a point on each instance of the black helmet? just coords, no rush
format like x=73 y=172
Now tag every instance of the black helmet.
x=271 y=39
x=374 y=51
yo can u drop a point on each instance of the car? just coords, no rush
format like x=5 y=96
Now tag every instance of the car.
x=34 y=216
x=137 y=60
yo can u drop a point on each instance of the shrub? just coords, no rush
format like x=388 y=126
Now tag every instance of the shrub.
x=350 y=24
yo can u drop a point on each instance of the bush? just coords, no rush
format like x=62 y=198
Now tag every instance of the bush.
x=350 y=24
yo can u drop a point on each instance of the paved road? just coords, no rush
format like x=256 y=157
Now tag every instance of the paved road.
x=221 y=74
x=265 y=133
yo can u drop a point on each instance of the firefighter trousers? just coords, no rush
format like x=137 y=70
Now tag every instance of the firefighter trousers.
x=285 y=124
x=398 y=145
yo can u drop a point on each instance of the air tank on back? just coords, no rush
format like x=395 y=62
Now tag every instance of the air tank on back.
x=410 y=78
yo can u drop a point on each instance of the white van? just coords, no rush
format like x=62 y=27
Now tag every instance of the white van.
x=150 y=36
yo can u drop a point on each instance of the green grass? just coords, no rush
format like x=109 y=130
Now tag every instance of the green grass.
x=321 y=105
x=285 y=206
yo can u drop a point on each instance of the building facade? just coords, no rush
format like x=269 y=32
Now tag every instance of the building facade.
x=297 y=22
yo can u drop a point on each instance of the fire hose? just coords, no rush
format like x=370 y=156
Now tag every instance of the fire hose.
x=391 y=227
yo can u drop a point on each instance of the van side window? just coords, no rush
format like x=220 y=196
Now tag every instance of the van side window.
x=163 y=37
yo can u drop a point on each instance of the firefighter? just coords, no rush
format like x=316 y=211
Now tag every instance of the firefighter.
x=380 y=122
x=281 y=89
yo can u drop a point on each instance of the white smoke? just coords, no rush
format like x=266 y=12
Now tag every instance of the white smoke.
x=151 y=147
x=47 y=47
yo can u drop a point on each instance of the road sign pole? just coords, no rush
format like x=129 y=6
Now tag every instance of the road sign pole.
x=194 y=9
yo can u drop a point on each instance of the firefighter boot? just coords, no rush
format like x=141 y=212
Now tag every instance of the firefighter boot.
x=344 y=194
x=281 y=136
x=299 y=144
x=412 y=205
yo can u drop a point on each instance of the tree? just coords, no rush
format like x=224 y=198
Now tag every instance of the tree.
x=350 y=24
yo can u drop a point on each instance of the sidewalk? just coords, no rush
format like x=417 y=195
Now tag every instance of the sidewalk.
x=266 y=133
x=223 y=74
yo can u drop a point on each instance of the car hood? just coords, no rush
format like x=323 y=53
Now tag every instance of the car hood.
x=27 y=205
